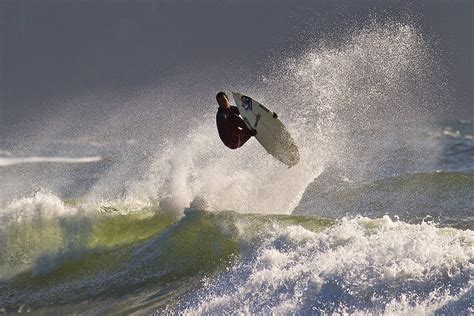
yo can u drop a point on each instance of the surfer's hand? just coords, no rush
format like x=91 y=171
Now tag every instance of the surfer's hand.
x=253 y=132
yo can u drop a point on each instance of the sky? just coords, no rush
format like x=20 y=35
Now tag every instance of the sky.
x=53 y=53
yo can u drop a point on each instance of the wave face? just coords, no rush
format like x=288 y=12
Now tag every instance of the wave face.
x=376 y=217
x=442 y=196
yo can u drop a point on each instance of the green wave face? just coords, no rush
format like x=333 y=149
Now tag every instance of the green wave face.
x=107 y=257
x=30 y=241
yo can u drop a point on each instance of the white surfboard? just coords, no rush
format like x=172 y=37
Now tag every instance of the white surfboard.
x=271 y=132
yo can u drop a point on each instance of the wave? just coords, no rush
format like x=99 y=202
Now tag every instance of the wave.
x=358 y=265
x=123 y=258
x=5 y=153
x=38 y=230
x=446 y=196
x=462 y=129
x=68 y=255
x=11 y=161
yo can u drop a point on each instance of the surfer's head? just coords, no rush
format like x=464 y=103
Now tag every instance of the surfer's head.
x=223 y=100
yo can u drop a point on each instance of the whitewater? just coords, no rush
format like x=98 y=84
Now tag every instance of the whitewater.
x=377 y=217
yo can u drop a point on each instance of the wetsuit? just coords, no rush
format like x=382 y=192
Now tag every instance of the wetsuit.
x=232 y=129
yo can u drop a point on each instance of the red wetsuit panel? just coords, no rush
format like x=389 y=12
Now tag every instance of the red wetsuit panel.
x=232 y=129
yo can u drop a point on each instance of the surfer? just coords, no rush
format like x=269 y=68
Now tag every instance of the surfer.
x=231 y=127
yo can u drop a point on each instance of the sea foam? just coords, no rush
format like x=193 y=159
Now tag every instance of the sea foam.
x=360 y=265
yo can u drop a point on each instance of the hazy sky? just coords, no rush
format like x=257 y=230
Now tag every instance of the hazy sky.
x=58 y=50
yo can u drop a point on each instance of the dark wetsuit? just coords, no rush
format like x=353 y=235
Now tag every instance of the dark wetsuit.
x=232 y=129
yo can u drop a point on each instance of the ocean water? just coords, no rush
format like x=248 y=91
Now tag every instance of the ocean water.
x=377 y=217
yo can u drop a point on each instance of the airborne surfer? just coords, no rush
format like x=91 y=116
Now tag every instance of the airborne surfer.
x=231 y=127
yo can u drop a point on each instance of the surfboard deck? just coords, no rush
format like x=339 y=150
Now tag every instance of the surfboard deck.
x=271 y=133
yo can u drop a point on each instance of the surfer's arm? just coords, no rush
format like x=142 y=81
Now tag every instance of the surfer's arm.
x=240 y=127
x=244 y=130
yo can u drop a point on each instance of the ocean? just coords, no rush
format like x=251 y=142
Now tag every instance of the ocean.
x=377 y=217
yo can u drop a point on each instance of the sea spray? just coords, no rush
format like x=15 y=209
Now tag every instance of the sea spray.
x=356 y=102
x=246 y=180
x=353 y=106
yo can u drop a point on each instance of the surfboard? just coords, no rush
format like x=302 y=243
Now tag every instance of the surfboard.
x=271 y=133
